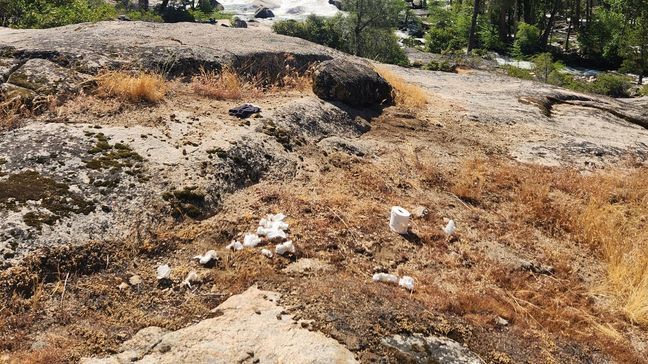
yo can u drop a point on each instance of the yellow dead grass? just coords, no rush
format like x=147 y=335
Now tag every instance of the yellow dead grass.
x=405 y=94
x=147 y=87
x=608 y=211
x=228 y=84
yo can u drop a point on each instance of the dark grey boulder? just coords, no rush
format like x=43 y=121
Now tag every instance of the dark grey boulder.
x=337 y=3
x=216 y=5
x=352 y=83
x=239 y=23
x=264 y=13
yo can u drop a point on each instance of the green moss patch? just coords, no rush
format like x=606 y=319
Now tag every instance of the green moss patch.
x=54 y=196
x=114 y=157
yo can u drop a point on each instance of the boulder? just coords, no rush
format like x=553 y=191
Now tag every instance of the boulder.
x=47 y=78
x=336 y=3
x=216 y=5
x=13 y=92
x=352 y=83
x=251 y=328
x=264 y=13
x=239 y=23
x=417 y=348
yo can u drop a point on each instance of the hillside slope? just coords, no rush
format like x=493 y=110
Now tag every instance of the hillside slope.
x=547 y=188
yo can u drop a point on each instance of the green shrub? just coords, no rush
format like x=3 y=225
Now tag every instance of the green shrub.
x=644 y=91
x=144 y=16
x=518 y=72
x=443 y=66
x=611 y=84
x=442 y=40
x=527 y=40
x=377 y=43
x=544 y=67
x=48 y=14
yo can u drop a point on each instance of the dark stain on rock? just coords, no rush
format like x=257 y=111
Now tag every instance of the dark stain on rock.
x=186 y=202
x=115 y=157
x=54 y=196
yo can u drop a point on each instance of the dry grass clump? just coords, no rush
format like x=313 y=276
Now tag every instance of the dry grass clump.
x=228 y=84
x=143 y=86
x=405 y=94
x=223 y=85
x=607 y=211
x=9 y=118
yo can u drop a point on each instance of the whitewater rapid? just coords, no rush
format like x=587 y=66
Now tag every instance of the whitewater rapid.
x=283 y=9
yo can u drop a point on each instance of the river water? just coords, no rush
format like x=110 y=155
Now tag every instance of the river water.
x=283 y=9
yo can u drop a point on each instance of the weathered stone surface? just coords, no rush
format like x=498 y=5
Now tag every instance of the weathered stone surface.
x=352 y=83
x=179 y=48
x=11 y=92
x=6 y=67
x=338 y=144
x=47 y=78
x=247 y=331
x=430 y=349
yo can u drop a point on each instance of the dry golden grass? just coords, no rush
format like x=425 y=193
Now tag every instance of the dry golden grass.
x=228 y=84
x=223 y=85
x=608 y=211
x=140 y=87
x=10 y=112
x=405 y=94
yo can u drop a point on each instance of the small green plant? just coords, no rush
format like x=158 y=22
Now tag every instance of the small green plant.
x=148 y=16
x=518 y=72
x=644 y=90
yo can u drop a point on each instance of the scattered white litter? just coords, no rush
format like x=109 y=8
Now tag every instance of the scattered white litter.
x=251 y=240
x=283 y=248
x=399 y=220
x=207 y=257
x=191 y=277
x=163 y=272
x=450 y=228
x=407 y=282
x=123 y=285
x=276 y=235
x=235 y=245
x=273 y=226
x=267 y=253
x=384 y=277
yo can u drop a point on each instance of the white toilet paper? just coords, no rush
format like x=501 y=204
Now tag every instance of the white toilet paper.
x=399 y=221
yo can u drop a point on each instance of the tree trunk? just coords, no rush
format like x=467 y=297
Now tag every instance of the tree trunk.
x=570 y=22
x=544 y=40
x=473 y=27
x=143 y=4
x=577 y=15
x=526 y=9
x=164 y=4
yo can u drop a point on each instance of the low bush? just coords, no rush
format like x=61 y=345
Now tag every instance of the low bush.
x=141 y=87
x=48 y=14
x=611 y=84
x=644 y=91
x=443 y=66
x=518 y=72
